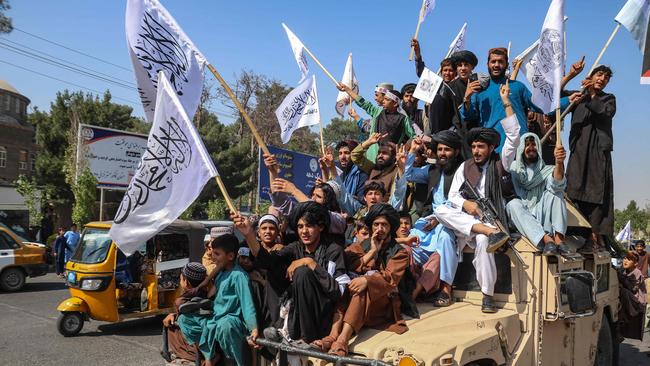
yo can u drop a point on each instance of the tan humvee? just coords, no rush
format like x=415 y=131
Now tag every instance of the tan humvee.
x=552 y=311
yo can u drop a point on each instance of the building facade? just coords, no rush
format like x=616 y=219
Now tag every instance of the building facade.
x=18 y=151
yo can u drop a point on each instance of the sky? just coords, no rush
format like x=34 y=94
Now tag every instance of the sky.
x=238 y=35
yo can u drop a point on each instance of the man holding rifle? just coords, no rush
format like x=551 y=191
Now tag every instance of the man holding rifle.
x=486 y=175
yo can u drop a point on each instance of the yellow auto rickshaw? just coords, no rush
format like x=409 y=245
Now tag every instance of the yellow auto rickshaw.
x=107 y=285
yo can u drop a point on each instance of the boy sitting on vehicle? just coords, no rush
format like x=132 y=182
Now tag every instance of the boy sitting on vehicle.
x=234 y=311
x=186 y=324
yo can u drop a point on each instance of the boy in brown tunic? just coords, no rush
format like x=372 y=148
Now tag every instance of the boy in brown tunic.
x=382 y=287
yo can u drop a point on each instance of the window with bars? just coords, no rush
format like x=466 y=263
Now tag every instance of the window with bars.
x=22 y=160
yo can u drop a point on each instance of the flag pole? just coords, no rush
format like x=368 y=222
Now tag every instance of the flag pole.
x=232 y=96
x=570 y=107
x=322 y=141
x=321 y=66
x=558 y=127
x=417 y=30
x=225 y=194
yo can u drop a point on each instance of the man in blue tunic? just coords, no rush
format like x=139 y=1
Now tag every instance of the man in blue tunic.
x=482 y=104
x=434 y=237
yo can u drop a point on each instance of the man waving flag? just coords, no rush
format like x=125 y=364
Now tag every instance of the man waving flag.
x=635 y=17
x=157 y=43
x=548 y=62
x=172 y=173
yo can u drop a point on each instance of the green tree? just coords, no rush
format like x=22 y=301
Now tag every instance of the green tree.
x=56 y=133
x=639 y=218
x=5 y=22
x=85 y=196
x=30 y=192
x=340 y=129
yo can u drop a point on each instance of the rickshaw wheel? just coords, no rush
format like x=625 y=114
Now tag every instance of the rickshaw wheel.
x=69 y=323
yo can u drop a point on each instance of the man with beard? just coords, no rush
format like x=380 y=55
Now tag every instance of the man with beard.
x=352 y=178
x=384 y=168
x=382 y=285
x=410 y=106
x=486 y=173
x=392 y=125
x=539 y=212
x=483 y=107
x=590 y=182
x=433 y=237
x=308 y=270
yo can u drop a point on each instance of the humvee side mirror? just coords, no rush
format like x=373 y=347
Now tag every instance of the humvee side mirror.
x=577 y=291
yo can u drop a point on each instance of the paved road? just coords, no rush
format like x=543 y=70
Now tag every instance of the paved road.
x=28 y=334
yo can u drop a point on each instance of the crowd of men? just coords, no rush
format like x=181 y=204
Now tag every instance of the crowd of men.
x=386 y=225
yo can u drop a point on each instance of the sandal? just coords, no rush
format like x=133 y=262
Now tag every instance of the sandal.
x=339 y=348
x=442 y=300
x=324 y=344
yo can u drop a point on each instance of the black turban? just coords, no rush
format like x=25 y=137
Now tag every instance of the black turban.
x=315 y=212
x=487 y=135
x=408 y=88
x=386 y=210
x=449 y=138
x=465 y=56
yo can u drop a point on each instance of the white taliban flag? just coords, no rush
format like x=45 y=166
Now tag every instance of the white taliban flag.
x=548 y=61
x=171 y=174
x=458 y=44
x=157 y=43
x=427 y=7
x=298 y=49
x=349 y=79
x=298 y=109
x=634 y=16
x=427 y=86
x=526 y=58
x=625 y=234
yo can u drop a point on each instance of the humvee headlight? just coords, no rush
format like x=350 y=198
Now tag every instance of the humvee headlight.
x=407 y=361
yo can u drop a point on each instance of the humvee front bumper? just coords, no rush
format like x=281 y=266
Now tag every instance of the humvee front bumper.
x=337 y=360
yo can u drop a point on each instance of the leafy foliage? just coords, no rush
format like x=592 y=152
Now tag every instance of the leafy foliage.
x=85 y=196
x=640 y=219
x=340 y=129
x=5 y=22
x=28 y=189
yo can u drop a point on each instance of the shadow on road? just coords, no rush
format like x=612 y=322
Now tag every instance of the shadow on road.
x=631 y=355
x=129 y=328
x=31 y=286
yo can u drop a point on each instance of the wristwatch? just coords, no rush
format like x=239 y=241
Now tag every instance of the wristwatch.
x=506 y=105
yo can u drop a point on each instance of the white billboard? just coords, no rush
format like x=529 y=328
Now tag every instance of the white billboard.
x=111 y=155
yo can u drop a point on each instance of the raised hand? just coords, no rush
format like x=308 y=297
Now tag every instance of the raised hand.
x=242 y=224
x=374 y=138
x=560 y=154
x=576 y=97
x=472 y=88
x=504 y=92
x=271 y=163
x=353 y=114
x=401 y=157
x=416 y=47
x=577 y=67
x=416 y=145
x=283 y=185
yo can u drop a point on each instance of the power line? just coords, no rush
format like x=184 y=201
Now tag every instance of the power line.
x=67 y=82
x=72 y=49
x=18 y=45
x=62 y=65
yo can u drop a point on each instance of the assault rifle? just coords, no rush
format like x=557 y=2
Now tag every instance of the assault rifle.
x=487 y=212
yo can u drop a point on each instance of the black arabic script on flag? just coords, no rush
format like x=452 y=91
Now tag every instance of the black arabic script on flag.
x=158 y=49
x=548 y=57
x=168 y=153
